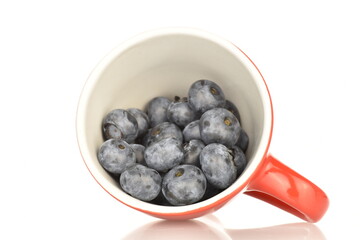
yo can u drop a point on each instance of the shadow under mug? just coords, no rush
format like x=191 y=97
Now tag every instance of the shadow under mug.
x=165 y=62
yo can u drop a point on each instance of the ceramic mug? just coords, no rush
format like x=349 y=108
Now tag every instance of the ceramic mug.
x=165 y=62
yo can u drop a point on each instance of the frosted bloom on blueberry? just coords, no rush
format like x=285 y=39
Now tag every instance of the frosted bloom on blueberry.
x=164 y=155
x=142 y=120
x=183 y=185
x=192 y=131
x=139 y=153
x=219 y=125
x=205 y=95
x=157 y=109
x=116 y=155
x=162 y=131
x=120 y=124
x=218 y=165
x=192 y=152
x=180 y=112
x=141 y=182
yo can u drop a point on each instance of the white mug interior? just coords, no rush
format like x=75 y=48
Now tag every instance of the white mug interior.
x=166 y=62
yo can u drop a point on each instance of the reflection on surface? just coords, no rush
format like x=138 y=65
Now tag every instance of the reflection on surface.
x=295 y=231
x=173 y=230
x=198 y=229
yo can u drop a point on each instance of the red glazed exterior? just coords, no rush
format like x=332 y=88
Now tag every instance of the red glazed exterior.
x=281 y=186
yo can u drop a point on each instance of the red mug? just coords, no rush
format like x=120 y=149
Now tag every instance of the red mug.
x=165 y=62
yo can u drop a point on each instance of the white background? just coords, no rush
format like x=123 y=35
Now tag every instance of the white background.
x=308 y=52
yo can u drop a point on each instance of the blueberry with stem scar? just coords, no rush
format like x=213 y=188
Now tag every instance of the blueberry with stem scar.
x=183 y=185
x=219 y=125
x=162 y=131
x=205 y=95
x=116 y=155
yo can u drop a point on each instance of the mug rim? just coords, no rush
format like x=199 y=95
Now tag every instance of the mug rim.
x=217 y=200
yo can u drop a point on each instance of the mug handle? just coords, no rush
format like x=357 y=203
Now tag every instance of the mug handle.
x=282 y=187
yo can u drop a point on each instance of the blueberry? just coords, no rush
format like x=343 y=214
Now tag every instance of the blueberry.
x=205 y=95
x=218 y=165
x=120 y=124
x=162 y=131
x=142 y=120
x=233 y=109
x=243 y=141
x=192 y=152
x=164 y=155
x=183 y=185
x=219 y=125
x=192 y=131
x=139 y=153
x=239 y=159
x=157 y=109
x=180 y=112
x=116 y=155
x=141 y=182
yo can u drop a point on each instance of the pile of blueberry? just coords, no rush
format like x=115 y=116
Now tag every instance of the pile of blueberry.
x=178 y=152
